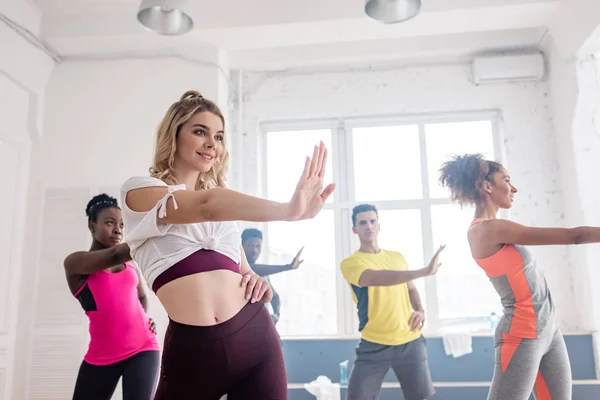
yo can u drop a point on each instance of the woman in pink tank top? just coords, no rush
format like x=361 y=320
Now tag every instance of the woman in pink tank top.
x=122 y=337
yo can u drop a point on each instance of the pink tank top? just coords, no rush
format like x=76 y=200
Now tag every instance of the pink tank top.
x=119 y=327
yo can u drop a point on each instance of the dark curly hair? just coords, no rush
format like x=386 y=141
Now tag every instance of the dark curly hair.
x=99 y=203
x=464 y=174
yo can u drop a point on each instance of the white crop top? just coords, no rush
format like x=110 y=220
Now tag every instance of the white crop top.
x=157 y=246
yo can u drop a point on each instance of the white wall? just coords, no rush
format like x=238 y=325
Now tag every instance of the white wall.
x=574 y=23
x=570 y=101
x=24 y=71
x=102 y=115
x=527 y=126
x=100 y=123
x=573 y=44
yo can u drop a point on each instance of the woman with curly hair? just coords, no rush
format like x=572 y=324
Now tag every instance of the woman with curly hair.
x=181 y=230
x=531 y=356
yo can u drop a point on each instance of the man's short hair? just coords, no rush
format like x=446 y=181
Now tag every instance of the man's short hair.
x=362 y=208
x=251 y=233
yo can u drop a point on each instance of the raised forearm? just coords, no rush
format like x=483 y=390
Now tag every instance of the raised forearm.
x=89 y=262
x=389 y=278
x=122 y=254
x=228 y=205
x=585 y=234
x=264 y=270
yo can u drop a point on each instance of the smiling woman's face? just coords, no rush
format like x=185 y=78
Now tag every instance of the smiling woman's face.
x=200 y=142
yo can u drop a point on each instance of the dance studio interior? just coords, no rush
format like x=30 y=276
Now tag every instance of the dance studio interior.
x=394 y=90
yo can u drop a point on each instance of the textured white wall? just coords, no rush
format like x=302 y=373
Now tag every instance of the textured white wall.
x=575 y=92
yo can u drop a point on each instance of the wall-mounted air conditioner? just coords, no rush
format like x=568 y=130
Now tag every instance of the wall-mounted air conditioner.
x=509 y=68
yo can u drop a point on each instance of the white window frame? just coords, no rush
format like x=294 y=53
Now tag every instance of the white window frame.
x=344 y=200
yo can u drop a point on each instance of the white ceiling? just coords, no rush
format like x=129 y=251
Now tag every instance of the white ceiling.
x=285 y=33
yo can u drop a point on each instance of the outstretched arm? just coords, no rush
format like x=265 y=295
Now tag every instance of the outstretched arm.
x=88 y=262
x=217 y=204
x=221 y=204
x=264 y=270
x=501 y=231
x=390 y=278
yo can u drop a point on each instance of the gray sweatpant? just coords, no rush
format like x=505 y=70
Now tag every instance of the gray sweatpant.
x=531 y=366
x=373 y=361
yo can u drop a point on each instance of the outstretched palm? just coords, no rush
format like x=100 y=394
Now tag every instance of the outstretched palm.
x=310 y=196
x=434 y=264
x=297 y=261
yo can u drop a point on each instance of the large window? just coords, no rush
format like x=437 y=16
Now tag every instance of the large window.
x=308 y=295
x=386 y=163
x=286 y=154
x=393 y=164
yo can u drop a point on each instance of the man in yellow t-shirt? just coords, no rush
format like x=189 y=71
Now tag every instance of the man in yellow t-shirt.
x=390 y=315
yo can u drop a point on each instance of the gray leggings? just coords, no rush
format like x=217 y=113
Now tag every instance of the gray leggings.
x=531 y=366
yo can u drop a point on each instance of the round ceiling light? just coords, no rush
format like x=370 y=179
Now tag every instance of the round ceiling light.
x=392 y=11
x=165 y=17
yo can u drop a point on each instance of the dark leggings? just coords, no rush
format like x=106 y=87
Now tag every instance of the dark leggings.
x=98 y=382
x=240 y=357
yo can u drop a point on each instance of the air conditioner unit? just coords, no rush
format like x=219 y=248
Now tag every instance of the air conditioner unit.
x=508 y=68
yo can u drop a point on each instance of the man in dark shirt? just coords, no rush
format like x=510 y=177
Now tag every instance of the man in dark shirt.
x=252 y=244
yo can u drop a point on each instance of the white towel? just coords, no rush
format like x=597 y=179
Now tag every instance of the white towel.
x=323 y=389
x=457 y=344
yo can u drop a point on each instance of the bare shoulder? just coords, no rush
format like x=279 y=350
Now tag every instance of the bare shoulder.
x=503 y=226
x=144 y=199
x=502 y=231
x=488 y=226
x=141 y=193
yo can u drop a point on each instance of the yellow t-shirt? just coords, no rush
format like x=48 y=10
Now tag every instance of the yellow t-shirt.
x=383 y=311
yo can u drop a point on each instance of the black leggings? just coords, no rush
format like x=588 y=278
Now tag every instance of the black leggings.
x=139 y=372
x=240 y=357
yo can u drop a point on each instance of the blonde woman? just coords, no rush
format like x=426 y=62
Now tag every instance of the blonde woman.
x=182 y=233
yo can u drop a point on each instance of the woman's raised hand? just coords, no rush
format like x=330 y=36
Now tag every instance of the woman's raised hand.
x=309 y=197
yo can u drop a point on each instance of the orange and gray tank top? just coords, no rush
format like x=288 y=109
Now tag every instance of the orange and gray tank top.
x=526 y=299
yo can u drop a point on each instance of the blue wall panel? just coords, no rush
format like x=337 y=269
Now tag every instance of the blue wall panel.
x=307 y=359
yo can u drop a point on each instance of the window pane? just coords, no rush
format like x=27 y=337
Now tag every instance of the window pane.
x=308 y=295
x=286 y=152
x=387 y=163
x=401 y=231
x=463 y=288
x=448 y=139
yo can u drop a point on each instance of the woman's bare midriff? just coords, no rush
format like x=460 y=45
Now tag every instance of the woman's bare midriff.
x=203 y=299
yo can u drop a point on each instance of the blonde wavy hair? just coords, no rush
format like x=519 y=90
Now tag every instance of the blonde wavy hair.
x=191 y=103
